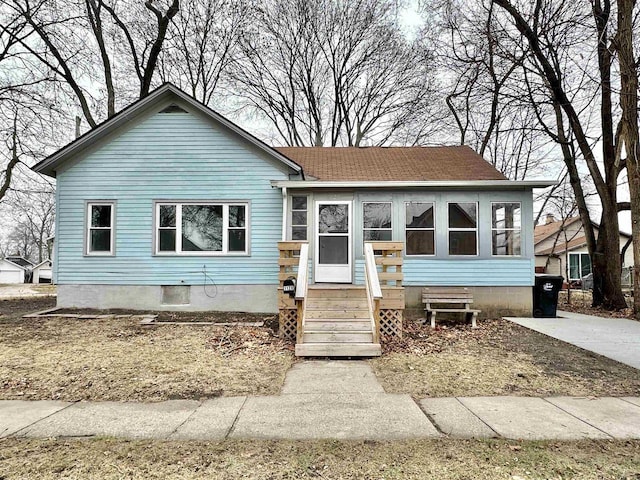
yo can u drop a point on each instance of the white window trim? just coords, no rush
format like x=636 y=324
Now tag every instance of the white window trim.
x=225 y=229
x=435 y=242
x=296 y=225
x=88 y=206
x=519 y=229
x=579 y=254
x=364 y=229
x=449 y=230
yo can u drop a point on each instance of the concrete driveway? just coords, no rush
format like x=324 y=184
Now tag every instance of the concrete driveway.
x=615 y=338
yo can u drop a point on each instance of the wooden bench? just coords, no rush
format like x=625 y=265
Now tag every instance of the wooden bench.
x=448 y=299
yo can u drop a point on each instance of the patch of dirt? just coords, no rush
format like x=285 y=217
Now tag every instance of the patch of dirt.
x=9 y=308
x=497 y=358
x=117 y=359
x=581 y=303
x=443 y=459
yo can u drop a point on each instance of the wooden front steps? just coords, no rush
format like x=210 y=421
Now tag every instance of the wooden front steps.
x=337 y=322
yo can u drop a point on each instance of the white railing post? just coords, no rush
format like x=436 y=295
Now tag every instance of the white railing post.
x=301 y=288
x=374 y=292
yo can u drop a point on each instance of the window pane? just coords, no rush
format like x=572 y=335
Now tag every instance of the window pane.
x=101 y=215
x=505 y=215
x=298 y=218
x=506 y=242
x=202 y=228
x=237 y=240
x=236 y=216
x=167 y=215
x=462 y=243
x=299 y=233
x=167 y=240
x=377 y=235
x=298 y=203
x=574 y=266
x=420 y=242
x=419 y=215
x=376 y=215
x=463 y=215
x=333 y=218
x=334 y=250
x=100 y=241
x=586 y=264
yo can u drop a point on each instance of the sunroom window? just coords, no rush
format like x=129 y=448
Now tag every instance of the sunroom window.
x=505 y=228
x=463 y=228
x=299 y=217
x=420 y=228
x=376 y=221
x=201 y=228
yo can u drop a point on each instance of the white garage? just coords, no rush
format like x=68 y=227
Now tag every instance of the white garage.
x=11 y=272
x=42 y=272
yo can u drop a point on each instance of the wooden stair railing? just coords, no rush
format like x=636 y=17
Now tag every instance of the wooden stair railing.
x=374 y=292
x=389 y=308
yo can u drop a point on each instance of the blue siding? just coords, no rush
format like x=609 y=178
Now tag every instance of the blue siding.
x=463 y=273
x=177 y=156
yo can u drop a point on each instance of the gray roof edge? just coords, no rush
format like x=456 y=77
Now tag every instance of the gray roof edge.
x=49 y=164
x=414 y=183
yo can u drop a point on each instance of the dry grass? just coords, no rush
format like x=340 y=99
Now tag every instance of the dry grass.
x=498 y=358
x=442 y=459
x=117 y=359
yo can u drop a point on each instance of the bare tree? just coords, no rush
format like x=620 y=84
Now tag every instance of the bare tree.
x=69 y=39
x=321 y=72
x=556 y=34
x=203 y=45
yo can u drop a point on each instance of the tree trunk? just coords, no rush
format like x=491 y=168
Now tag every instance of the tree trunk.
x=629 y=131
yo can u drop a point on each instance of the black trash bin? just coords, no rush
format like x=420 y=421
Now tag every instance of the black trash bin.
x=545 y=295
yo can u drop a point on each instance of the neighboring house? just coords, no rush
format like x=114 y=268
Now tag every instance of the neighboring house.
x=42 y=273
x=557 y=241
x=168 y=198
x=15 y=269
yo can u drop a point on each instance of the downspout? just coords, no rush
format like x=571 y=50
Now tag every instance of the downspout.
x=284 y=214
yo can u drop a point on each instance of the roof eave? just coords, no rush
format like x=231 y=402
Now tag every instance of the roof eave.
x=508 y=184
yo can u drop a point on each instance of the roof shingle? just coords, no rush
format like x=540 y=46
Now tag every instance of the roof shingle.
x=392 y=163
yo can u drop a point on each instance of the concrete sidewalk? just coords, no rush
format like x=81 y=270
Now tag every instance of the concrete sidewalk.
x=615 y=338
x=328 y=400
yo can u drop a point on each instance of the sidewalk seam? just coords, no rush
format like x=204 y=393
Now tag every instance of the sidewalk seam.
x=478 y=417
x=16 y=433
x=627 y=401
x=235 y=420
x=200 y=403
x=578 y=418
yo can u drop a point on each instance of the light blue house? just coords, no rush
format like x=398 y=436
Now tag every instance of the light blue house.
x=168 y=205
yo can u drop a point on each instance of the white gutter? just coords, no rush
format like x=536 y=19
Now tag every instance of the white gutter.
x=508 y=184
x=284 y=214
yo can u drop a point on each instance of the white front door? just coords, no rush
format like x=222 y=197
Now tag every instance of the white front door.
x=333 y=241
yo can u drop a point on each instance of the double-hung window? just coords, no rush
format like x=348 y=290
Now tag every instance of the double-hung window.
x=100 y=225
x=505 y=228
x=420 y=228
x=201 y=228
x=463 y=228
x=299 y=217
x=376 y=221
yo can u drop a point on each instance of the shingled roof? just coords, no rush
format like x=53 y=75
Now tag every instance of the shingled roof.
x=392 y=163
